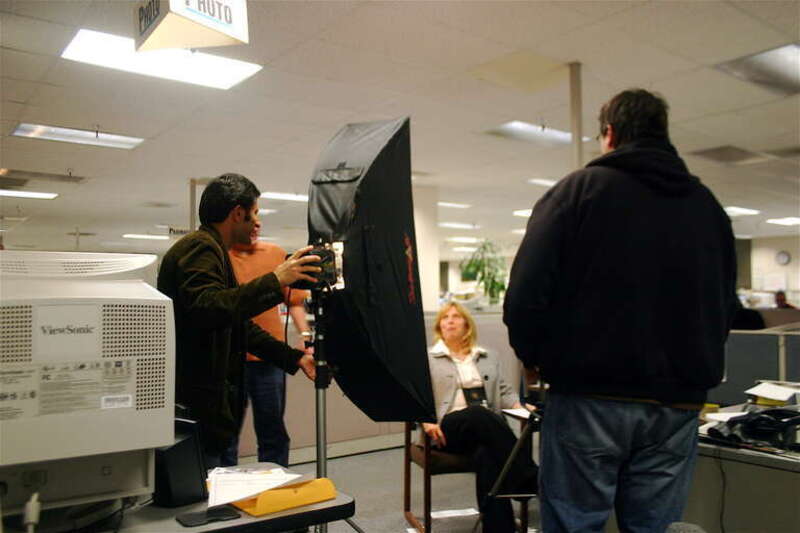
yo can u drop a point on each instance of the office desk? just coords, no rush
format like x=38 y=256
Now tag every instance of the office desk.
x=151 y=519
x=760 y=492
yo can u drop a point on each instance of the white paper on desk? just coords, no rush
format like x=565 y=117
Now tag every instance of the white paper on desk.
x=703 y=430
x=226 y=486
x=724 y=416
x=520 y=412
x=772 y=392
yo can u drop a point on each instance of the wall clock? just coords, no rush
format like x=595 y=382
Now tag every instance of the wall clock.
x=783 y=257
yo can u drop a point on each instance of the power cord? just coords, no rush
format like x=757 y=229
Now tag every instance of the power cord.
x=718 y=456
x=33 y=508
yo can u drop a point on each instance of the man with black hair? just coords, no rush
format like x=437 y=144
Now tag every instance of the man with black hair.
x=213 y=330
x=621 y=296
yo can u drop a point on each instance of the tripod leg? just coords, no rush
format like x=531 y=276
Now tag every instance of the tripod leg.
x=519 y=445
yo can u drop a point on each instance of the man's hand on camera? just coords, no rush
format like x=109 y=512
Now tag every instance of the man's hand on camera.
x=436 y=434
x=307 y=365
x=296 y=267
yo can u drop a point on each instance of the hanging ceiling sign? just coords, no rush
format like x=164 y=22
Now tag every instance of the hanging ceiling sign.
x=190 y=23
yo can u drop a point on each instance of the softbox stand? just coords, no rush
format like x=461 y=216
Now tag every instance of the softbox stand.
x=369 y=322
x=322 y=381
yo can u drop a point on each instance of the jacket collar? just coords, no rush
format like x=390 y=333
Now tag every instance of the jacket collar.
x=440 y=349
x=214 y=234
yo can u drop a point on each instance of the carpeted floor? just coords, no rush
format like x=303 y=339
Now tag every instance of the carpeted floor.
x=375 y=481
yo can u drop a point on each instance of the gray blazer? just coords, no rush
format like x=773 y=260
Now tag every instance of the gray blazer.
x=444 y=377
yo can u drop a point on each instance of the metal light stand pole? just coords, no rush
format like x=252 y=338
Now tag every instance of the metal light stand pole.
x=321 y=382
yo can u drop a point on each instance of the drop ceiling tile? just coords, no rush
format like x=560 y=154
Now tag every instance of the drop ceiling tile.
x=393 y=30
x=309 y=18
x=18 y=91
x=24 y=65
x=687 y=140
x=704 y=32
x=468 y=92
x=753 y=126
x=360 y=67
x=115 y=17
x=68 y=13
x=11 y=111
x=32 y=35
x=720 y=93
x=782 y=15
x=124 y=111
x=619 y=61
x=604 y=9
x=519 y=24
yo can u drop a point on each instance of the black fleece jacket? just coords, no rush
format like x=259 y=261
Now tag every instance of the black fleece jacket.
x=625 y=281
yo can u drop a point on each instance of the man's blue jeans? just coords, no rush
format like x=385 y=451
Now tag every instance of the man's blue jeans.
x=597 y=455
x=266 y=391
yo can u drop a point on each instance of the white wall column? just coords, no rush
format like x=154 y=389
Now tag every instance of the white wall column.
x=426 y=227
x=576 y=113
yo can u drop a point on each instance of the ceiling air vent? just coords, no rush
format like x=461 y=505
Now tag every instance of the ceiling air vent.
x=11 y=183
x=23 y=176
x=730 y=155
x=790 y=152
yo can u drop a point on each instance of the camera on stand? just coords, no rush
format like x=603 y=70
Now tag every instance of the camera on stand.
x=330 y=255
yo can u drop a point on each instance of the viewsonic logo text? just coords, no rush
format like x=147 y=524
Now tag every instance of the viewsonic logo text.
x=69 y=329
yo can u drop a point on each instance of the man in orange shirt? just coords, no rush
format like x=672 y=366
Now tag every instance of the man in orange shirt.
x=265 y=382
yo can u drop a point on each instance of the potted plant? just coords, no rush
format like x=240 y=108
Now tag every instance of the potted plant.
x=488 y=267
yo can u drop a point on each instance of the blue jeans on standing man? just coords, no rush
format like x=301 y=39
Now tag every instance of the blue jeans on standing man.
x=598 y=455
x=266 y=392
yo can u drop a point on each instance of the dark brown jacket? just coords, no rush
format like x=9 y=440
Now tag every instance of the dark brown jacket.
x=213 y=331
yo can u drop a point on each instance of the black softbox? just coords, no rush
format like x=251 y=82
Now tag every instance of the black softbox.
x=360 y=194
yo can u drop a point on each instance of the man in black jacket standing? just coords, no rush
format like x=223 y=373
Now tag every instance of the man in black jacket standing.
x=621 y=296
x=213 y=330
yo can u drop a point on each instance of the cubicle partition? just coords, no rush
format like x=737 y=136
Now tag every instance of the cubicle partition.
x=349 y=430
x=771 y=354
x=793 y=355
x=751 y=355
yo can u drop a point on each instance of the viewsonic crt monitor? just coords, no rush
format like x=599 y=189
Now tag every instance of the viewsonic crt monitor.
x=360 y=204
x=87 y=357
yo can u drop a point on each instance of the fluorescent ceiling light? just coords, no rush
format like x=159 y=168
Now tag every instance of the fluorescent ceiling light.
x=285 y=196
x=523 y=213
x=785 y=221
x=454 y=205
x=28 y=194
x=525 y=131
x=113 y=51
x=458 y=225
x=468 y=249
x=71 y=135
x=545 y=183
x=743 y=237
x=267 y=211
x=518 y=231
x=467 y=240
x=146 y=236
x=734 y=211
x=776 y=70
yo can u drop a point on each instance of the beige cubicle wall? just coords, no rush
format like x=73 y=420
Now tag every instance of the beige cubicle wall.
x=349 y=430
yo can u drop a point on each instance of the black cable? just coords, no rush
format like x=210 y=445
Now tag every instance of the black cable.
x=286 y=325
x=718 y=456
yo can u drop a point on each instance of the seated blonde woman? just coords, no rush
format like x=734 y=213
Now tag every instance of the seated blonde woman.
x=469 y=393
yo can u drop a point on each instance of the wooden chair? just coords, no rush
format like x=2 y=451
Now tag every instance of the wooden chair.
x=434 y=462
